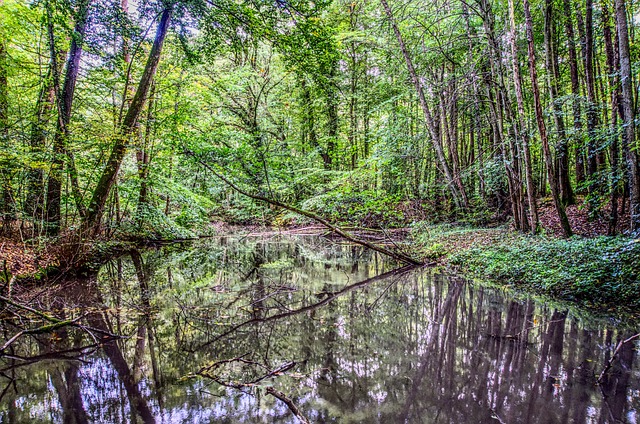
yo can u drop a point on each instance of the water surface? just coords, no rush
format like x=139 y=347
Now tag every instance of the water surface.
x=258 y=330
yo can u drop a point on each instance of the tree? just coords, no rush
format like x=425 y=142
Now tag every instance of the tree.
x=64 y=101
x=629 y=140
x=546 y=151
x=107 y=179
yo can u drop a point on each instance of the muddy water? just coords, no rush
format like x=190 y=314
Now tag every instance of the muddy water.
x=281 y=330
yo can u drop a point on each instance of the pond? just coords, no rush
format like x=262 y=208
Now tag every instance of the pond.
x=302 y=329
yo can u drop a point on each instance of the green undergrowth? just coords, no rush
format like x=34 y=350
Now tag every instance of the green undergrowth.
x=436 y=242
x=602 y=273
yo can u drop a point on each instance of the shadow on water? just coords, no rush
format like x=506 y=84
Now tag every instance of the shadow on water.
x=285 y=330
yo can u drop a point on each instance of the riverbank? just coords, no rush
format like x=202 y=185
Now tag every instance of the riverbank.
x=591 y=270
x=601 y=273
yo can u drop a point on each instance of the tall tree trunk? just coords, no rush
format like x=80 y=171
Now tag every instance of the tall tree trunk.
x=575 y=90
x=546 y=151
x=110 y=172
x=553 y=76
x=309 y=124
x=519 y=125
x=332 y=117
x=592 y=113
x=143 y=155
x=630 y=145
x=454 y=184
x=494 y=83
x=612 y=69
x=7 y=212
x=65 y=103
x=34 y=199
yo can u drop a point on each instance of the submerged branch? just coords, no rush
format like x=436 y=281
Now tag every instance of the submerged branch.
x=395 y=255
x=54 y=324
x=40 y=330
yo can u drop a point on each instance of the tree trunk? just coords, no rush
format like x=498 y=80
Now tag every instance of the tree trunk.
x=630 y=144
x=592 y=113
x=454 y=184
x=143 y=156
x=612 y=69
x=65 y=103
x=553 y=182
x=519 y=125
x=110 y=172
x=7 y=212
x=575 y=90
x=553 y=76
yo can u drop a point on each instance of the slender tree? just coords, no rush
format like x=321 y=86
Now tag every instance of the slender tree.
x=110 y=172
x=65 y=97
x=630 y=144
x=453 y=181
x=546 y=150
x=519 y=125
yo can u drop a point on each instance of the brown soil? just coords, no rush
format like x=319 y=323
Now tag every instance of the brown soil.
x=581 y=223
x=21 y=259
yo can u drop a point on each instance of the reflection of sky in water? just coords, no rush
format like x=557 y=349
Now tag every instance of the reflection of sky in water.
x=409 y=351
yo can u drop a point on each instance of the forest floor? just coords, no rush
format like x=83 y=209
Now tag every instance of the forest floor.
x=19 y=258
x=592 y=270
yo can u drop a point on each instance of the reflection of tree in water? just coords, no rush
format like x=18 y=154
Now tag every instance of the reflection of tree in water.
x=412 y=347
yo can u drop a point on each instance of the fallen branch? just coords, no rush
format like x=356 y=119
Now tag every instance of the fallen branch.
x=395 y=255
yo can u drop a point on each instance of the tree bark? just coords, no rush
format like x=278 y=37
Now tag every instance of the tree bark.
x=7 y=212
x=110 y=172
x=575 y=90
x=630 y=145
x=519 y=124
x=553 y=76
x=64 y=103
x=553 y=181
x=592 y=113
x=454 y=184
x=614 y=151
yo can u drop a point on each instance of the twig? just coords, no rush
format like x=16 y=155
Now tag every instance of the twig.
x=292 y=406
x=614 y=356
x=40 y=330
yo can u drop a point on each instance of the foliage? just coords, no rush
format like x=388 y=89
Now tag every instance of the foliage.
x=603 y=272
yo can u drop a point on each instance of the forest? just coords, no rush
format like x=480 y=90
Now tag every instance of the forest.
x=298 y=211
x=119 y=119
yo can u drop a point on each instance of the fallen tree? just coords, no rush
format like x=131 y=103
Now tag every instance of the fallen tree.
x=400 y=256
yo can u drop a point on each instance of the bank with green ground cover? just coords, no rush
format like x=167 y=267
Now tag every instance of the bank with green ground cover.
x=601 y=273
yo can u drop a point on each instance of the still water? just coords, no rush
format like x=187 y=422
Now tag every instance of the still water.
x=300 y=329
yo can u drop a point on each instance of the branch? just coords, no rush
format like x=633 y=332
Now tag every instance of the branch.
x=615 y=355
x=40 y=330
x=330 y=296
x=292 y=407
x=395 y=255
